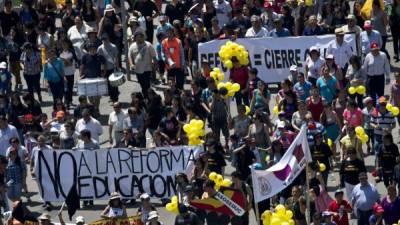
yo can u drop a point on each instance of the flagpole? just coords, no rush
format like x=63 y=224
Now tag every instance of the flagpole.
x=62 y=208
x=257 y=213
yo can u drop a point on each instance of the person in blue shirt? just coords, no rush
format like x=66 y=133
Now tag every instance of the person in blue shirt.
x=302 y=87
x=279 y=30
x=313 y=28
x=327 y=85
x=5 y=79
x=164 y=25
x=54 y=75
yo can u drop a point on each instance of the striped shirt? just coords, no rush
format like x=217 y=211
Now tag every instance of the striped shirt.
x=341 y=53
x=376 y=65
x=31 y=63
x=385 y=122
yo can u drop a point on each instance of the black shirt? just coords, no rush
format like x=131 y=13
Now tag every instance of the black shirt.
x=146 y=8
x=215 y=162
x=321 y=153
x=387 y=156
x=7 y=21
x=189 y=219
x=92 y=65
x=350 y=169
x=244 y=159
x=175 y=12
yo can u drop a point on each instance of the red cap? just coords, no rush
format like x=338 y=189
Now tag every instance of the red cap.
x=378 y=208
x=267 y=5
x=28 y=117
x=374 y=45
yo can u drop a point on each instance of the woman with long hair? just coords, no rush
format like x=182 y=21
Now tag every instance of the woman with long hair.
x=313 y=65
x=328 y=85
x=90 y=14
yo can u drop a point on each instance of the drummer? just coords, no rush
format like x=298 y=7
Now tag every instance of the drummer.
x=110 y=52
x=93 y=66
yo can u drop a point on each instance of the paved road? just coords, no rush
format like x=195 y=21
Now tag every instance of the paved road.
x=92 y=214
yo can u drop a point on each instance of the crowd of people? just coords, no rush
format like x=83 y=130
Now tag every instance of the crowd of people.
x=89 y=43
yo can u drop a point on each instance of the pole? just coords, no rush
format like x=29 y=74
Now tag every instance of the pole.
x=257 y=213
x=125 y=39
x=308 y=219
x=61 y=209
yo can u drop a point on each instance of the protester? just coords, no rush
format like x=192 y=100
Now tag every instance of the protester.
x=115 y=208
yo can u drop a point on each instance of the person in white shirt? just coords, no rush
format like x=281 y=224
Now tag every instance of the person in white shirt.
x=89 y=123
x=115 y=124
x=376 y=65
x=7 y=132
x=41 y=145
x=340 y=49
x=77 y=34
x=313 y=65
x=368 y=36
x=224 y=12
x=256 y=30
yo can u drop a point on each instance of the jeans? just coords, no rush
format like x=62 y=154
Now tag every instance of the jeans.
x=383 y=48
x=363 y=217
x=57 y=90
x=375 y=86
x=69 y=89
x=112 y=91
x=179 y=76
x=144 y=81
x=33 y=82
x=396 y=40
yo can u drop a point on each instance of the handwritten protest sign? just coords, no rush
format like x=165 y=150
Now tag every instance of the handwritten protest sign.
x=97 y=173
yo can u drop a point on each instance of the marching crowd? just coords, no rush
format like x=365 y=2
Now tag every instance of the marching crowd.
x=337 y=95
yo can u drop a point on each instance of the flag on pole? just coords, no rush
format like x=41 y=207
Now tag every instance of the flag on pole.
x=72 y=201
x=269 y=182
x=227 y=201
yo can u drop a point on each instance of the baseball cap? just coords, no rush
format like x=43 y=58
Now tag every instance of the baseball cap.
x=329 y=56
x=378 y=208
x=368 y=24
x=338 y=192
x=80 y=219
x=374 y=46
x=3 y=65
x=267 y=5
x=144 y=196
x=293 y=68
x=313 y=48
x=350 y=17
x=60 y=114
x=382 y=100
x=152 y=215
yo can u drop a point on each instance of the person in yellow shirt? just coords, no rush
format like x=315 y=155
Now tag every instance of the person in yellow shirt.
x=351 y=141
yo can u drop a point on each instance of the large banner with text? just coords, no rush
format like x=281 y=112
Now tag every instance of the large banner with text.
x=97 y=173
x=273 y=56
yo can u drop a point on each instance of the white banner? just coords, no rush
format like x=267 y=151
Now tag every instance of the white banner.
x=97 y=173
x=267 y=183
x=272 y=56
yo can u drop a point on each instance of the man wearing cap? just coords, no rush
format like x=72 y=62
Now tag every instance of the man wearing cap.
x=5 y=79
x=279 y=31
x=256 y=30
x=153 y=219
x=77 y=35
x=313 y=28
x=377 y=67
x=7 y=132
x=268 y=16
x=341 y=50
x=363 y=198
x=142 y=60
x=294 y=74
x=368 y=36
x=91 y=38
x=352 y=27
x=110 y=53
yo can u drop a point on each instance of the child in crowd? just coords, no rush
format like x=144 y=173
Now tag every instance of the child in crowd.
x=367 y=113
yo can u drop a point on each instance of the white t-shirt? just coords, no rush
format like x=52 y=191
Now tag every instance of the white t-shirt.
x=222 y=9
x=314 y=67
x=93 y=126
x=67 y=56
x=117 y=120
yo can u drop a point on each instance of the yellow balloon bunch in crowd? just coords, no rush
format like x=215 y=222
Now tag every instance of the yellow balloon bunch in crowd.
x=173 y=205
x=394 y=109
x=219 y=180
x=281 y=216
x=217 y=75
x=359 y=90
x=232 y=49
x=230 y=88
x=195 y=130
x=361 y=134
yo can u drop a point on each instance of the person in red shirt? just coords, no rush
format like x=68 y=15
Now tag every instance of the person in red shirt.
x=240 y=74
x=340 y=207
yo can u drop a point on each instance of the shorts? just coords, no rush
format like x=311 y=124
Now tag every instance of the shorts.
x=217 y=127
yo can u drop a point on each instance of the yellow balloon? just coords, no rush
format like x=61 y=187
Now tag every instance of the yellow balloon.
x=322 y=167
x=360 y=90
x=169 y=207
x=186 y=127
x=289 y=214
x=221 y=85
x=389 y=107
x=199 y=124
x=236 y=87
x=280 y=210
x=228 y=86
x=352 y=90
x=276 y=221
x=217 y=70
x=226 y=183
x=266 y=215
x=330 y=143
x=309 y=2
x=275 y=110
x=247 y=110
x=285 y=223
x=228 y=63
x=291 y=222
x=219 y=179
x=213 y=176
x=231 y=93
x=365 y=137
x=174 y=198
x=395 y=111
x=359 y=130
x=221 y=76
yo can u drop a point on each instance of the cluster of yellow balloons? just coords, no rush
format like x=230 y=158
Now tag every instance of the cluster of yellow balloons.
x=361 y=134
x=217 y=75
x=359 y=89
x=173 y=205
x=232 y=49
x=230 y=88
x=394 y=109
x=195 y=131
x=281 y=216
x=219 y=180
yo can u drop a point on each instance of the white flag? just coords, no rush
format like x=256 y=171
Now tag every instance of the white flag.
x=267 y=183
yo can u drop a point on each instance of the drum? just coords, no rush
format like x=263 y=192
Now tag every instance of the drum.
x=93 y=87
x=116 y=79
